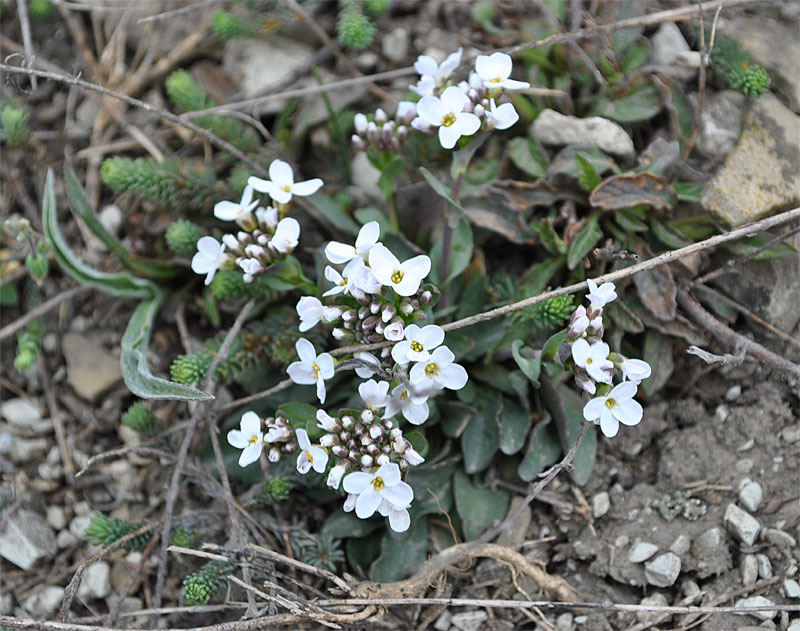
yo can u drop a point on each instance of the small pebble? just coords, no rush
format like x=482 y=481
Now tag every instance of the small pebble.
x=791 y=434
x=564 y=622
x=749 y=569
x=791 y=588
x=469 y=620
x=746 y=446
x=600 y=504
x=681 y=545
x=691 y=589
x=778 y=538
x=764 y=566
x=641 y=551
x=757 y=601
x=663 y=571
x=56 y=517
x=750 y=496
x=65 y=539
x=742 y=525
x=733 y=393
x=20 y=412
x=745 y=465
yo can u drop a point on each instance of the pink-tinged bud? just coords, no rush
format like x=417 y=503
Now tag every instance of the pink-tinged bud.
x=366 y=439
x=388 y=313
x=328 y=440
x=348 y=422
x=354 y=455
x=387 y=449
x=369 y=323
x=367 y=416
x=372 y=132
x=412 y=457
x=387 y=424
x=425 y=298
x=402 y=133
x=376 y=431
x=403 y=464
x=340 y=451
x=473 y=96
x=396 y=433
x=421 y=125
x=372 y=449
x=394 y=331
x=345 y=436
x=366 y=460
x=349 y=315
x=359 y=429
x=350 y=503
x=399 y=447
x=382 y=460
x=357 y=142
x=479 y=111
x=406 y=111
x=338 y=334
x=274 y=455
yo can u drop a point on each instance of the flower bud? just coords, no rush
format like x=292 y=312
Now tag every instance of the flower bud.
x=348 y=422
x=478 y=111
x=387 y=133
x=396 y=433
x=357 y=143
x=349 y=315
x=366 y=439
x=345 y=436
x=366 y=461
x=406 y=111
x=372 y=449
x=425 y=298
x=394 y=331
x=412 y=457
x=387 y=449
x=367 y=416
x=360 y=122
x=340 y=451
x=369 y=323
x=421 y=125
x=388 y=313
x=387 y=424
x=380 y=116
x=399 y=447
x=376 y=431
x=262 y=239
x=274 y=455
x=402 y=133
x=382 y=460
x=372 y=132
x=363 y=312
x=406 y=308
x=329 y=440
x=473 y=96
x=353 y=455
x=336 y=474
x=358 y=429
x=338 y=334
x=403 y=464
x=350 y=503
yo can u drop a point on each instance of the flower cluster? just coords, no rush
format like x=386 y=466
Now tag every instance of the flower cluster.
x=264 y=237
x=448 y=109
x=375 y=298
x=594 y=366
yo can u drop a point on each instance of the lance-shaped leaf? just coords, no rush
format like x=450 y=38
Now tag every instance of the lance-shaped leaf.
x=120 y=284
x=631 y=189
x=133 y=360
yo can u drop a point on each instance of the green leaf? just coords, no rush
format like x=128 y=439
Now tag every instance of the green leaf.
x=746 y=246
x=543 y=451
x=287 y=275
x=667 y=235
x=432 y=486
x=657 y=353
x=133 y=359
x=333 y=214
x=530 y=366
x=477 y=507
x=588 y=177
x=535 y=280
x=460 y=253
x=639 y=104
x=341 y=524
x=455 y=417
x=514 y=426
x=121 y=284
x=300 y=415
x=370 y=213
x=624 y=318
x=439 y=187
x=583 y=464
x=688 y=191
x=389 y=175
x=584 y=241
x=553 y=345
x=8 y=295
x=636 y=55
x=362 y=551
x=628 y=221
x=528 y=156
x=566 y=162
x=401 y=557
x=550 y=239
x=481 y=438
x=462 y=157
x=151 y=268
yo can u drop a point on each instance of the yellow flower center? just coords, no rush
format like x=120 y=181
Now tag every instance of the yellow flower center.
x=309 y=456
x=432 y=370
x=448 y=120
x=588 y=360
x=253 y=440
x=404 y=395
x=287 y=188
x=416 y=347
x=397 y=276
x=496 y=80
x=378 y=483
x=610 y=403
x=315 y=368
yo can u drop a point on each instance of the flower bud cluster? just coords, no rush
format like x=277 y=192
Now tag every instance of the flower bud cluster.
x=382 y=132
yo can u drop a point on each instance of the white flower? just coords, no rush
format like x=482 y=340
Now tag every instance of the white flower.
x=364 y=280
x=447 y=113
x=365 y=372
x=394 y=331
x=427 y=66
x=340 y=283
x=374 y=393
x=418 y=343
x=404 y=278
x=310 y=455
x=311 y=311
x=501 y=117
x=336 y=474
x=250 y=267
x=281 y=185
x=360 y=122
x=495 y=70
x=635 y=370
x=594 y=359
x=286 y=235
x=373 y=488
x=209 y=257
x=421 y=125
x=579 y=322
x=311 y=368
x=600 y=296
x=327 y=422
x=425 y=86
x=248 y=438
x=399 y=519
x=618 y=407
x=410 y=402
x=439 y=371
x=230 y=211
x=350 y=502
x=339 y=253
x=268 y=216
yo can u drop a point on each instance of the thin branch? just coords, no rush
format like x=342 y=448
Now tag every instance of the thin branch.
x=43 y=308
x=281 y=385
x=198 y=4
x=711 y=358
x=25 y=27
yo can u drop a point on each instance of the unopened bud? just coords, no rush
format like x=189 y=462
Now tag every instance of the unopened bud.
x=403 y=464
x=340 y=451
x=425 y=298
x=396 y=433
x=402 y=133
x=348 y=422
x=478 y=111
x=380 y=116
x=388 y=313
x=366 y=460
x=372 y=449
x=387 y=424
x=367 y=416
x=274 y=455
x=357 y=143
x=376 y=431
x=349 y=315
x=360 y=122
x=329 y=440
x=359 y=429
x=372 y=132
x=382 y=459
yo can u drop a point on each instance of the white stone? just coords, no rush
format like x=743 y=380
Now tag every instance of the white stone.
x=733 y=393
x=260 y=65
x=764 y=566
x=600 y=504
x=20 y=412
x=44 y=603
x=791 y=434
x=663 y=571
x=791 y=588
x=56 y=517
x=742 y=525
x=79 y=524
x=553 y=128
x=49 y=471
x=668 y=43
x=778 y=538
x=25 y=450
x=96 y=581
x=641 y=551
x=91 y=370
x=689 y=59
x=565 y=622
x=66 y=539
x=469 y=620
x=655 y=600
x=795 y=625
x=681 y=545
x=750 y=496
x=749 y=569
x=756 y=601
x=394 y=44
x=111 y=218
x=443 y=622
x=365 y=175
x=26 y=538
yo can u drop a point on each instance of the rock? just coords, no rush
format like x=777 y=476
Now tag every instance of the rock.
x=711 y=553
x=552 y=128
x=750 y=495
x=656 y=600
x=600 y=504
x=469 y=620
x=733 y=393
x=66 y=539
x=258 y=65
x=795 y=625
x=20 y=412
x=721 y=123
x=6 y=603
x=50 y=342
x=56 y=517
x=791 y=434
x=96 y=581
x=44 y=603
x=778 y=538
x=756 y=601
x=780 y=61
x=764 y=566
x=691 y=590
x=742 y=525
x=663 y=571
x=25 y=450
x=125 y=477
x=668 y=43
x=394 y=44
x=641 y=551
x=681 y=545
x=90 y=369
x=79 y=524
x=111 y=218
x=749 y=569
x=791 y=588
x=365 y=176
x=443 y=622
x=49 y=471
x=26 y=538
x=519 y=526
x=565 y=622
x=762 y=173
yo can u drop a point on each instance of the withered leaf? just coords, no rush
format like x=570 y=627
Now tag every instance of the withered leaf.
x=657 y=290
x=631 y=189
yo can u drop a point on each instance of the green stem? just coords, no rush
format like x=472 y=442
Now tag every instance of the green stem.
x=393 y=220
x=447 y=242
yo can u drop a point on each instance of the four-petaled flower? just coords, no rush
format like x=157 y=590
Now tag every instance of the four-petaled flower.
x=635 y=370
x=281 y=185
x=311 y=368
x=249 y=438
x=373 y=488
x=286 y=235
x=426 y=66
x=594 y=359
x=310 y=455
x=495 y=70
x=447 y=113
x=404 y=278
x=230 y=211
x=602 y=295
x=439 y=371
x=501 y=117
x=410 y=402
x=418 y=344
x=209 y=257
x=339 y=253
x=618 y=407
x=374 y=393
x=311 y=311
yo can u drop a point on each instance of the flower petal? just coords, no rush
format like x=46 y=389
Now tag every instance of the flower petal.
x=416 y=413
x=383 y=263
x=399 y=519
x=368 y=235
x=425 y=65
x=302 y=439
x=594 y=408
x=418 y=266
x=305 y=351
x=609 y=424
x=580 y=352
x=325 y=363
x=400 y=495
x=429 y=336
x=303 y=463
x=454 y=99
x=467 y=123
x=390 y=473
x=320 y=459
x=262 y=186
x=208 y=246
x=442 y=356
x=400 y=351
x=250 y=454
x=308 y=187
x=432 y=110
x=250 y=423
x=448 y=136
x=453 y=377
x=227 y=211
x=628 y=412
x=279 y=195
x=238 y=439
x=321 y=394
x=623 y=391
x=367 y=503
x=356 y=482
x=339 y=253
x=301 y=373
x=281 y=173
